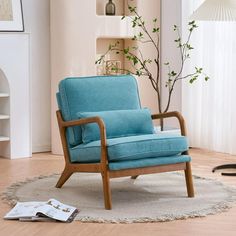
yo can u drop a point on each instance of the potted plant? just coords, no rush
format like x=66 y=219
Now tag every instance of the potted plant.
x=140 y=65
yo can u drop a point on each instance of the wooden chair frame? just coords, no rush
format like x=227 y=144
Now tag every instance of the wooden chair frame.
x=103 y=168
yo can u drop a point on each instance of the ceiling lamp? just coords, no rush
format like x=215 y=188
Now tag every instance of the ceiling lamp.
x=215 y=10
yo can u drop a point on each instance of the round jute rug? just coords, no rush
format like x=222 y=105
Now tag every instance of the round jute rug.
x=149 y=198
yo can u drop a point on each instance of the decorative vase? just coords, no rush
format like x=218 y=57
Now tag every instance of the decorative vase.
x=110 y=8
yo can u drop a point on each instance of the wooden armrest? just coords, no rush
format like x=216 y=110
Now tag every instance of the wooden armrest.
x=66 y=124
x=83 y=121
x=95 y=119
x=173 y=114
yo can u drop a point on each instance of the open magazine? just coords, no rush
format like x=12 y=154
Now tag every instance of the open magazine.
x=42 y=211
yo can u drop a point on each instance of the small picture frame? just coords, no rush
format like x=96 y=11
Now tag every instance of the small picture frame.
x=113 y=67
x=11 y=16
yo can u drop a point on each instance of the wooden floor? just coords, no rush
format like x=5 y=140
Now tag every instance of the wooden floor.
x=223 y=224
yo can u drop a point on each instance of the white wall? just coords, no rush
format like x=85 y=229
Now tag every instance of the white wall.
x=149 y=10
x=37 y=23
x=171 y=15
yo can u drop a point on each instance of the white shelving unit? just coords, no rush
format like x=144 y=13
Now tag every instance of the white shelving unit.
x=15 y=124
x=4 y=139
x=4 y=95
x=113 y=29
x=4 y=115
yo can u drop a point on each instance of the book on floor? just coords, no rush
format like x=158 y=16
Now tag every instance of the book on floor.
x=52 y=210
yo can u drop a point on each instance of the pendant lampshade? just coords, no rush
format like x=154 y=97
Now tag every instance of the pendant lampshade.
x=216 y=10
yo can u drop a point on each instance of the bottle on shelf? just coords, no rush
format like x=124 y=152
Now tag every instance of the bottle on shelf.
x=110 y=8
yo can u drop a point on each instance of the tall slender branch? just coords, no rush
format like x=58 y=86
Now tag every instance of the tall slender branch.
x=140 y=64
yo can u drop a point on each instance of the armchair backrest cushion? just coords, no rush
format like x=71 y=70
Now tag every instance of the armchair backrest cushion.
x=119 y=123
x=92 y=94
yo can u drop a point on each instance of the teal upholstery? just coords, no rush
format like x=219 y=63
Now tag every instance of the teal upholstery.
x=98 y=93
x=130 y=138
x=119 y=123
x=147 y=162
x=127 y=145
x=131 y=148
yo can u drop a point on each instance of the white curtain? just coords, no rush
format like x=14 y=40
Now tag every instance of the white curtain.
x=210 y=107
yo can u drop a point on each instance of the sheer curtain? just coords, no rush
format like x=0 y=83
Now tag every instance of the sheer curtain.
x=210 y=107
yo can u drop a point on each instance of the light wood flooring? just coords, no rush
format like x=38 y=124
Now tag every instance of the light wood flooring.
x=223 y=224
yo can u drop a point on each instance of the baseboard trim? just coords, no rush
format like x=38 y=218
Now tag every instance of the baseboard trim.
x=42 y=148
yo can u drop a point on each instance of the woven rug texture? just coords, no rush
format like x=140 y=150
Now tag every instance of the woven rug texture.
x=149 y=198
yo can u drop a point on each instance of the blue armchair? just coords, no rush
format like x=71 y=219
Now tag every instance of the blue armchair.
x=104 y=130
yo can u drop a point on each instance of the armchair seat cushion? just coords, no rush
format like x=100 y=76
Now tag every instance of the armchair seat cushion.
x=121 y=165
x=131 y=148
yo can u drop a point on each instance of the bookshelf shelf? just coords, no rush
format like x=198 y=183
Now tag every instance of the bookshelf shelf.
x=4 y=139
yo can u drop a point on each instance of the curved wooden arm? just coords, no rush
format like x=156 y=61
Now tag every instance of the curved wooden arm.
x=65 y=124
x=173 y=114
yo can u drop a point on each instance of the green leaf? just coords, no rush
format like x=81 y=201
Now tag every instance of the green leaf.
x=99 y=61
x=140 y=35
x=134 y=24
x=135 y=60
x=177 y=40
x=126 y=50
x=207 y=78
x=123 y=17
x=131 y=9
x=115 y=69
x=193 y=79
x=189 y=47
x=179 y=45
x=192 y=25
x=198 y=70
x=191 y=22
x=155 y=30
x=129 y=57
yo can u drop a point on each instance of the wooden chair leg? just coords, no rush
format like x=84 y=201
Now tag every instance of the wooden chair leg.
x=134 y=177
x=106 y=190
x=64 y=177
x=189 y=180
